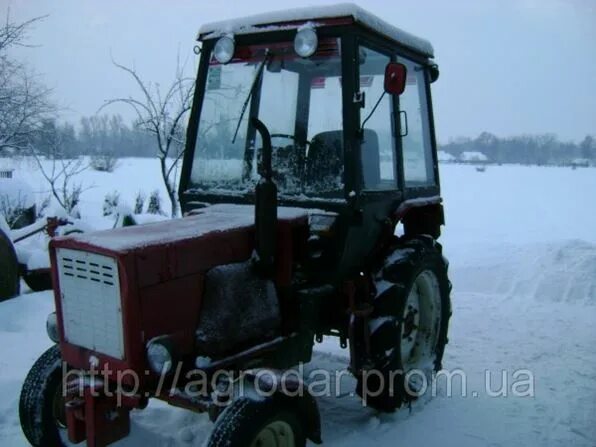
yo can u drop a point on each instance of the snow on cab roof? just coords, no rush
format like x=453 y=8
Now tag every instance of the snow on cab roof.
x=255 y=23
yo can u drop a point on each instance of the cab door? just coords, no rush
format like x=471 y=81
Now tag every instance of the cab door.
x=376 y=177
x=420 y=169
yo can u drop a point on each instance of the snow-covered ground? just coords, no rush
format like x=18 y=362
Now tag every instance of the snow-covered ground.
x=132 y=175
x=522 y=248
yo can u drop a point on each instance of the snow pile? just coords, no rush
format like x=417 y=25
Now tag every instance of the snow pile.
x=552 y=272
x=559 y=273
x=16 y=192
x=38 y=259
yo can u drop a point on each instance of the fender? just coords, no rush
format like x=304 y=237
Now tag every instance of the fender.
x=424 y=215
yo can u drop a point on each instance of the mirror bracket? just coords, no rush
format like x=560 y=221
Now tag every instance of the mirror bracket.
x=360 y=99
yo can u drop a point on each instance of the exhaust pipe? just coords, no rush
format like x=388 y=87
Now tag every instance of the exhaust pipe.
x=265 y=207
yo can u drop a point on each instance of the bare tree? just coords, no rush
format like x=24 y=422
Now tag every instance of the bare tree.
x=162 y=114
x=24 y=101
x=12 y=207
x=60 y=173
x=15 y=34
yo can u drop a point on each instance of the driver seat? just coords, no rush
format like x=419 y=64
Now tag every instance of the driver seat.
x=324 y=162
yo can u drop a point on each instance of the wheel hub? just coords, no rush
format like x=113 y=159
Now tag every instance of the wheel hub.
x=419 y=320
x=410 y=322
x=275 y=434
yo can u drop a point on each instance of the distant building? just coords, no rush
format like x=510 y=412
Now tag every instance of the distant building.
x=445 y=157
x=473 y=157
x=580 y=163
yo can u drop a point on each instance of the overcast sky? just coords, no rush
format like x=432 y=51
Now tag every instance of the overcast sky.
x=507 y=66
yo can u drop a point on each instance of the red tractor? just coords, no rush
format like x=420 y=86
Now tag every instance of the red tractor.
x=310 y=140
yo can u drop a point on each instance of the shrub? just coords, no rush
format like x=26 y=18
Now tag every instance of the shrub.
x=104 y=162
x=139 y=203
x=154 y=206
x=110 y=203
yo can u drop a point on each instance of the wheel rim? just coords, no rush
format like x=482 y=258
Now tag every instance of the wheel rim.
x=59 y=408
x=421 y=321
x=275 y=434
x=59 y=416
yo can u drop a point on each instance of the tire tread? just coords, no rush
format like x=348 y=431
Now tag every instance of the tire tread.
x=32 y=403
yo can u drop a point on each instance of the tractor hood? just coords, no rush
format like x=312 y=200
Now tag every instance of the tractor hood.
x=215 y=235
x=115 y=290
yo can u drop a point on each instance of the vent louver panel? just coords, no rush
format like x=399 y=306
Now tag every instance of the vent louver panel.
x=91 y=303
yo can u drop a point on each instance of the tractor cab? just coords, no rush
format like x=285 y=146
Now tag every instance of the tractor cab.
x=345 y=98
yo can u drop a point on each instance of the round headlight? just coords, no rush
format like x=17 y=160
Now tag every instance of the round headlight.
x=305 y=42
x=52 y=327
x=159 y=357
x=224 y=49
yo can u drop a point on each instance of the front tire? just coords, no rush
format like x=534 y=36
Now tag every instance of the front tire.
x=269 y=422
x=41 y=406
x=408 y=326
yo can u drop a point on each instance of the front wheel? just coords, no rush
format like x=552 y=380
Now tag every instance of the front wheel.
x=42 y=406
x=269 y=422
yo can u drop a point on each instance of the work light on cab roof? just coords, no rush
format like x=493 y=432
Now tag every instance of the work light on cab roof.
x=224 y=49
x=306 y=41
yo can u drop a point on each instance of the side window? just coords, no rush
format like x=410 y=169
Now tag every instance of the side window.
x=378 y=144
x=417 y=150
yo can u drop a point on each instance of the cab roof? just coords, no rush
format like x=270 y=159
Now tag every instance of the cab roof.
x=293 y=18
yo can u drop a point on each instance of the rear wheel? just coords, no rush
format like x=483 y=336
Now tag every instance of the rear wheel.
x=269 y=422
x=408 y=326
x=9 y=269
x=42 y=405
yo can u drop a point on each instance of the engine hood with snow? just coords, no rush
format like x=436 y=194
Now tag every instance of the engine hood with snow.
x=148 y=280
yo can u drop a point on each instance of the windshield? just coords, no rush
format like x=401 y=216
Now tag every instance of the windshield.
x=300 y=102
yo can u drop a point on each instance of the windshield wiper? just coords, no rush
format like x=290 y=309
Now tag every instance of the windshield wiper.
x=255 y=81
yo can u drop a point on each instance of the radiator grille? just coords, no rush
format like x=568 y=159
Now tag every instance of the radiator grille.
x=90 y=298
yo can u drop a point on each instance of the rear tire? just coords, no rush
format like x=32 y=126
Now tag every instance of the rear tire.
x=41 y=406
x=269 y=422
x=9 y=269
x=408 y=326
